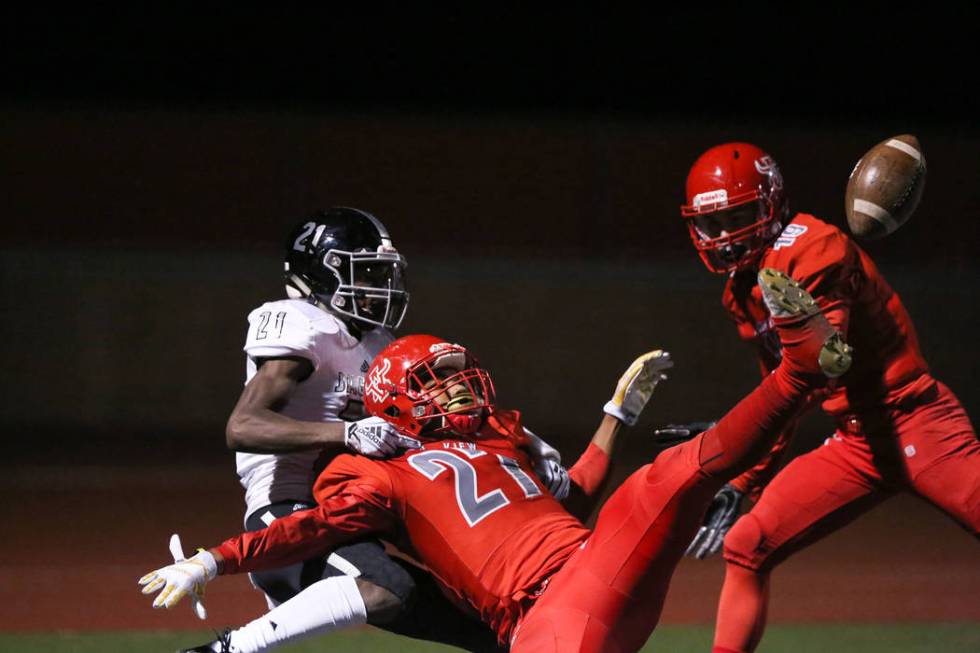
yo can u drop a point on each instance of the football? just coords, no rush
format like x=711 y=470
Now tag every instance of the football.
x=885 y=187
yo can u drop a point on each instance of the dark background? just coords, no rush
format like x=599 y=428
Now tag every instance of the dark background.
x=530 y=165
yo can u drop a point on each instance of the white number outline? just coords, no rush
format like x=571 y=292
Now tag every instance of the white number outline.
x=475 y=508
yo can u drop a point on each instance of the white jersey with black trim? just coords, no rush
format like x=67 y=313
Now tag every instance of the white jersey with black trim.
x=333 y=392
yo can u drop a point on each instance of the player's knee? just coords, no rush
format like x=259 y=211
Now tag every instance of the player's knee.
x=382 y=605
x=388 y=591
x=743 y=543
x=279 y=584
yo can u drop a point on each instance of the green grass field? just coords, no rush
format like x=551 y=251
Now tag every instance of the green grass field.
x=890 y=638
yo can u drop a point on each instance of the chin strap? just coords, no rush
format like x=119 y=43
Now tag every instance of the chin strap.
x=464 y=423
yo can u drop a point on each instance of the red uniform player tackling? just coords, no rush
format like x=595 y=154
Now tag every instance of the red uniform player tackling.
x=897 y=427
x=469 y=508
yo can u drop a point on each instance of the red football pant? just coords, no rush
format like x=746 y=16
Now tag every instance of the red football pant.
x=930 y=449
x=608 y=596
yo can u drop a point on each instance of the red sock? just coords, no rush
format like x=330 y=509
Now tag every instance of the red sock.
x=742 y=610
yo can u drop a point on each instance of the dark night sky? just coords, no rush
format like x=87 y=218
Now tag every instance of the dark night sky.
x=828 y=64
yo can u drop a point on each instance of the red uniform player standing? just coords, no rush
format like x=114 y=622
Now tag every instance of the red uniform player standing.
x=468 y=506
x=898 y=428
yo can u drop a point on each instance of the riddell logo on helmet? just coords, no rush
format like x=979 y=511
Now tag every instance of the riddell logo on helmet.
x=376 y=381
x=440 y=346
x=711 y=197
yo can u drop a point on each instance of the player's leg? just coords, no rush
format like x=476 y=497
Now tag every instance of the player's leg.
x=942 y=457
x=609 y=596
x=433 y=617
x=815 y=495
x=353 y=585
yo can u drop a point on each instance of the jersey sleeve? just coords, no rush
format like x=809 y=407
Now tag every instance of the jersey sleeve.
x=354 y=506
x=283 y=328
x=591 y=470
x=829 y=267
x=589 y=476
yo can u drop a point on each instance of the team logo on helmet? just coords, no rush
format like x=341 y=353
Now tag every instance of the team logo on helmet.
x=766 y=165
x=377 y=380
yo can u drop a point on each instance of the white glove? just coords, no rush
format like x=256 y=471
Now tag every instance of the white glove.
x=185 y=576
x=376 y=438
x=548 y=467
x=636 y=385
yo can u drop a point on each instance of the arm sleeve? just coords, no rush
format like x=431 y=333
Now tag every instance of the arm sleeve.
x=589 y=475
x=591 y=470
x=357 y=510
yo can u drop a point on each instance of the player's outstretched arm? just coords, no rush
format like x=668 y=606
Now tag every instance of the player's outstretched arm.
x=257 y=426
x=362 y=508
x=590 y=473
x=636 y=386
x=185 y=577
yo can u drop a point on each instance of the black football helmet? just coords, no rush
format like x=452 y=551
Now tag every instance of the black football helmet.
x=343 y=261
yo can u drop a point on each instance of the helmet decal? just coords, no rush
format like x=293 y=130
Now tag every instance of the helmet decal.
x=765 y=164
x=377 y=380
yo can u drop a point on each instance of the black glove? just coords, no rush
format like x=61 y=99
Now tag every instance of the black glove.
x=721 y=515
x=674 y=434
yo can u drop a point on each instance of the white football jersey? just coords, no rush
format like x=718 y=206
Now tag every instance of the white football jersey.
x=333 y=392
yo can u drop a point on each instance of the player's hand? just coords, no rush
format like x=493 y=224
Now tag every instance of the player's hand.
x=636 y=386
x=554 y=476
x=185 y=576
x=376 y=438
x=547 y=465
x=721 y=515
x=674 y=434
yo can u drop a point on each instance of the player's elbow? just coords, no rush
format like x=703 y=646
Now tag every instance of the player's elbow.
x=237 y=432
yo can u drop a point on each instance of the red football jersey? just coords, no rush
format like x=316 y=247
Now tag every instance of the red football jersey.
x=887 y=368
x=471 y=510
x=854 y=297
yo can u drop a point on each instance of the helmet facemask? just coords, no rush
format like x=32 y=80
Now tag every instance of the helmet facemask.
x=730 y=235
x=450 y=393
x=371 y=286
x=368 y=287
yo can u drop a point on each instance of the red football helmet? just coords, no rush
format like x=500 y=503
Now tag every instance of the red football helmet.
x=425 y=385
x=725 y=177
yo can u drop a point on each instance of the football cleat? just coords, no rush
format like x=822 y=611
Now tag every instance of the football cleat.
x=784 y=297
x=789 y=303
x=222 y=644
